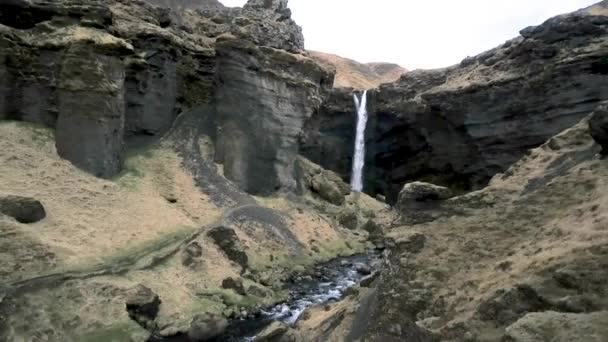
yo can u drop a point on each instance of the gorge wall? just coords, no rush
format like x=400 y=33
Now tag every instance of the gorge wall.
x=114 y=75
x=461 y=125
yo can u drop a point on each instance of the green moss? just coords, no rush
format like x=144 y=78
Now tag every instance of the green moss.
x=150 y=161
x=118 y=333
x=146 y=252
x=39 y=135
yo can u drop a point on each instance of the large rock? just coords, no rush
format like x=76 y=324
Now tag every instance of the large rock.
x=447 y=126
x=234 y=284
x=227 y=240
x=598 y=127
x=22 y=209
x=205 y=327
x=418 y=200
x=273 y=333
x=316 y=181
x=559 y=327
x=269 y=23
x=264 y=97
x=143 y=306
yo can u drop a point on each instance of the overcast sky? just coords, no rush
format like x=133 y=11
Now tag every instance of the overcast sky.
x=417 y=33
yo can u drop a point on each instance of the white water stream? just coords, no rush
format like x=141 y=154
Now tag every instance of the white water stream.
x=356 y=180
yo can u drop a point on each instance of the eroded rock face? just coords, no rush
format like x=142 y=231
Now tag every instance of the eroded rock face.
x=115 y=74
x=469 y=121
x=264 y=96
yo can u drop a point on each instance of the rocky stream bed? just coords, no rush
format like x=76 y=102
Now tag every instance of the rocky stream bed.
x=330 y=283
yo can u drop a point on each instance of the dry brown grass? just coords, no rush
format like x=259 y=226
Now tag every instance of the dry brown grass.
x=352 y=74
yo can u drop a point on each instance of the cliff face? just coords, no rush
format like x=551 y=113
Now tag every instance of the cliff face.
x=264 y=97
x=113 y=75
x=460 y=125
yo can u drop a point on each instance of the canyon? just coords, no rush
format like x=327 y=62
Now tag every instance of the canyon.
x=169 y=167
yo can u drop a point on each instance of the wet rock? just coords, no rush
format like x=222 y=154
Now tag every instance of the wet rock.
x=22 y=209
x=192 y=254
x=143 y=306
x=207 y=326
x=227 y=240
x=351 y=292
x=559 y=327
x=598 y=127
x=273 y=332
x=369 y=280
x=234 y=284
x=363 y=269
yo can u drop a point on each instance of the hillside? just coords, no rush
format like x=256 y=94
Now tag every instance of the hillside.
x=360 y=76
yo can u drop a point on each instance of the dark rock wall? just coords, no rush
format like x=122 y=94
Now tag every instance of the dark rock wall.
x=461 y=125
x=264 y=96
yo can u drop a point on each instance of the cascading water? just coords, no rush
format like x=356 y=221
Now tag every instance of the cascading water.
x=356 y=180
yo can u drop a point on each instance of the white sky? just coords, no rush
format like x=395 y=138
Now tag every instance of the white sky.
x=417 y=33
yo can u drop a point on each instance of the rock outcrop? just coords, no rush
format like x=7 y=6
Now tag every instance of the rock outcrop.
x=113 y=75
x=598 y=127
x=461 y=125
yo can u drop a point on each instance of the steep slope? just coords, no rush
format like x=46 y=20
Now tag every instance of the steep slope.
x=524 y=259
x=352 y=74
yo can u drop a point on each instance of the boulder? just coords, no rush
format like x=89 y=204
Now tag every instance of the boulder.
x=207 y=326
x=363 y=269
x=559 y=327
x=507 y=306
x=348 y=218
x=598 y=127
x=273 y=332
x=22 y=209
x=417 y=200
x=234 y=284
x=227 y=240
x=319 y=182
x=418 y=192
x=143 y=306
x=327 y=190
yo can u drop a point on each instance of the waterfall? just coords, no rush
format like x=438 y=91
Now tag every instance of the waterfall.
x=356 y=180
